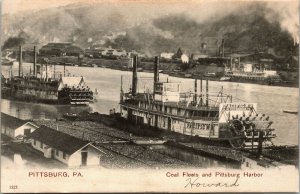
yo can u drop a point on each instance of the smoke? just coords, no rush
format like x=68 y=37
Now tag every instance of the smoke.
x=162 y=33
x=13 y=42
x=287 y=14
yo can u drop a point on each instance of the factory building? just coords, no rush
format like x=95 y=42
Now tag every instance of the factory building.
x=60 y=49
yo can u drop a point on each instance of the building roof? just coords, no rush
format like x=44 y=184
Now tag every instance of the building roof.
x=240 y=55
x=197 y=56
x=72 y=81
x=12 y=122
x=73 y=48
x=59 y=43
x=58 y=140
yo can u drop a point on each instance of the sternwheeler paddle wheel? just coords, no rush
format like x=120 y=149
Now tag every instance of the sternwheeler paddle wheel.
x=249 y=132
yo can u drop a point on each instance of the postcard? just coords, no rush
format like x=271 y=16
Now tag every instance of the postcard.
x=149 y=96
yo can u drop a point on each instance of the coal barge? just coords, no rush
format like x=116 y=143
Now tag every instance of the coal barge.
x=49 y=87
x=210 y=116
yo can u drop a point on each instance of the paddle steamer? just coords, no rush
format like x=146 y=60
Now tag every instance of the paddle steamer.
x=213 y=116
x=46 y=85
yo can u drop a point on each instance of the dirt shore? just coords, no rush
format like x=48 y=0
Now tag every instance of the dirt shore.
x=118 y=155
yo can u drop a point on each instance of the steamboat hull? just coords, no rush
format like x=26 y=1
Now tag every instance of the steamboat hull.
x=150 y=131
x=205 y=130
x=260 y=81
x=50 y=99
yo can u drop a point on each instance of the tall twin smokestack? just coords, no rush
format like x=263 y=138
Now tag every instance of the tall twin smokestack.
x=134 y=73
x=21 y=60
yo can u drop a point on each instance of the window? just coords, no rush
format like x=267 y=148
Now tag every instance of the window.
x=64 y=155
x=56 y=152
x=41 y=145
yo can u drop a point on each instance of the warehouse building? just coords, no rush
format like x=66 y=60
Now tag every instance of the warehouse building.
x=72 y=151
x=14 y=127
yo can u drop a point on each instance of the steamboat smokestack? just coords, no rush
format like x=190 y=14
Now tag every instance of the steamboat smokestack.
x=223 y=42
x=260 y=142
x=134 y=75
x=195 y=88
x=156 y=72
x=156 y=67
x=207 y=92
x=46 y=69
x=34 y=61
x=201 y=99
x=20 y=60
x=64 y=70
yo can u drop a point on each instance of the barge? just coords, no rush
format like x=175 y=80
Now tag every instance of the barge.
x=291 y=112
x=212 y=116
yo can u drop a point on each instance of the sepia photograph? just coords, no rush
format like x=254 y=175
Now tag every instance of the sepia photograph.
x=149 y=96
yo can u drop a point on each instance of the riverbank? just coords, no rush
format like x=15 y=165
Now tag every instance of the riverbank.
x=194 y=70
x=118 y=145
x=127 y=145
x=216 y=149
x=104 y=128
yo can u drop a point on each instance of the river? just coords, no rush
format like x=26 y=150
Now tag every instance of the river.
x=271 y=100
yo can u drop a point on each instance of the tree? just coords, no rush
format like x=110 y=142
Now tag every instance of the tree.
x=178 y=54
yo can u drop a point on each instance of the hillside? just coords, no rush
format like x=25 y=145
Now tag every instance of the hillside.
x=243 y=30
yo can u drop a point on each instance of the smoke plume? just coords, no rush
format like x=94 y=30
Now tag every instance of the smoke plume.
x=287 y=14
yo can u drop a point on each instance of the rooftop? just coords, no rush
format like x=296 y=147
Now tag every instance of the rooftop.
x=58 y=140
x=72 y=81
x=12 y=122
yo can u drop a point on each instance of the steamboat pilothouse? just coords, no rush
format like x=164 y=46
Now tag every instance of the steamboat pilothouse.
x=211 y=116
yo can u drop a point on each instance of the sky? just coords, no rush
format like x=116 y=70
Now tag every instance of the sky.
x=15 y=6
x=139 y=10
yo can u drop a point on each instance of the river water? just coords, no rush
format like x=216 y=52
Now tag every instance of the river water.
x=271 y=100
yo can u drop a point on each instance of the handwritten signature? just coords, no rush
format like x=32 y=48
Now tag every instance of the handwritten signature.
x=195 y=183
